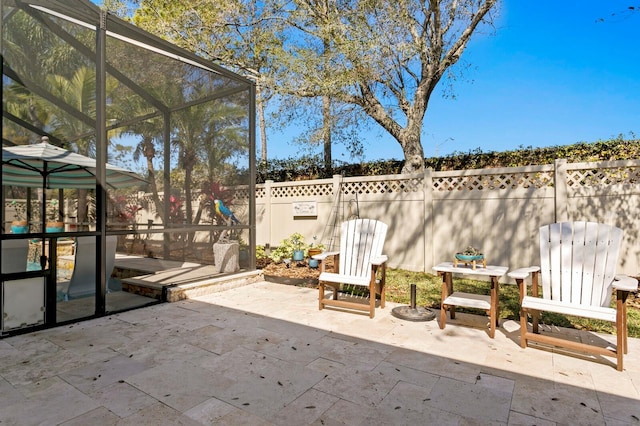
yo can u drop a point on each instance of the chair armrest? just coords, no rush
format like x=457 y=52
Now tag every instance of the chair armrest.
x=379 y=260
x=324 y=255
x=625 y=283
x=523 y=273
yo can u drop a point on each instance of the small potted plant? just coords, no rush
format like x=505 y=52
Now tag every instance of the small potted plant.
x=54 y=224
x=298 y=252
x=470 y=255
x=288 y=248
x=19 y=225
x=314 y=249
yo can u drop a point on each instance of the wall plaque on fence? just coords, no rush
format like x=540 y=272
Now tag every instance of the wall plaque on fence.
x=305 y=208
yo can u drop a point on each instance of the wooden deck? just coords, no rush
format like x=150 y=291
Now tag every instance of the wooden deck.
x=169 y=280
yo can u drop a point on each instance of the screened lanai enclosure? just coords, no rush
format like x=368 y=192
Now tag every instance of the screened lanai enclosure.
x=127 y=166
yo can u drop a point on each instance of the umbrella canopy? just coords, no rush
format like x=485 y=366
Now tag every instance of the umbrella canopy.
x=45 y=165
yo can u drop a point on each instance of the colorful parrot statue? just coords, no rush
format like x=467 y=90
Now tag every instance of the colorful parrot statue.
x=224 y=211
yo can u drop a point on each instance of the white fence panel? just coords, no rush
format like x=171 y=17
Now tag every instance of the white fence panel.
x=434 y=215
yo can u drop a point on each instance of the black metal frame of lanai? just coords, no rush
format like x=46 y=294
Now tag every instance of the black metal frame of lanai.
x=138 y=63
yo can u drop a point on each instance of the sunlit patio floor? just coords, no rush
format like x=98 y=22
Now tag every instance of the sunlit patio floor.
x=264 y=354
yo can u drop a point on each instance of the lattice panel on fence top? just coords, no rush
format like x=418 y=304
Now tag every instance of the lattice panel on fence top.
x=603 y=177
x=493 y=182
x=383 y=186
x=261 y=192
x=241 y=194
x=302 y=190
x=146 y=198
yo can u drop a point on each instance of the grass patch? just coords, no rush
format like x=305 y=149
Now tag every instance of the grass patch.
x=429 y=290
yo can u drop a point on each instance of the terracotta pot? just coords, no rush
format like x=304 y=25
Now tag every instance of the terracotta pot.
x=54 y=226
x=314 y=251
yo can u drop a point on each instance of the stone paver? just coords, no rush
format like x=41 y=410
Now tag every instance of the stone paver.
x=263 y=354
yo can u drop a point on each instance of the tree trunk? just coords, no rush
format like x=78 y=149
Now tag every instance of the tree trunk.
x=326 y=134
x=413 y=152
x=33 y=116
x=189 y=162
x=188 y=171
x=82 y=209
x=261 y=123
x=196 y=220
x=149 y=153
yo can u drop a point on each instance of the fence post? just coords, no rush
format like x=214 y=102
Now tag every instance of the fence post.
x=336 y=185
x=427 y=228
x=267 y=211
x=560 y=190
x=337 y=210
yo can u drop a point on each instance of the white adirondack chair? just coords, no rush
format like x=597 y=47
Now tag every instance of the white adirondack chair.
x=578 y=263
x=357 y=263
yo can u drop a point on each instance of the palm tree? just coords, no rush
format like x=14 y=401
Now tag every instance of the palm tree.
x=146 y=148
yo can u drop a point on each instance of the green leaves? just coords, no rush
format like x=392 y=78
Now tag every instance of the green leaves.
x=285 y=250
x=307 y=167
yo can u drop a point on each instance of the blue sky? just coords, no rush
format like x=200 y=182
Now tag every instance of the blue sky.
x=551 y=74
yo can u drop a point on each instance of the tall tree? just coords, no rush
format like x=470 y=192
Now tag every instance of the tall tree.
x=320 y=44
x=386 y=57
x=240 y=34
x=310 y=35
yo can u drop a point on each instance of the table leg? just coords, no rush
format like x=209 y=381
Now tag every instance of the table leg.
x=447 y=289
x=443 y=314
x=534 y=291
x=493 y=316
x=452 y=308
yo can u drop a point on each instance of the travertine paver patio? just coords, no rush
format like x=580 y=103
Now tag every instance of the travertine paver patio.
x=263 y=354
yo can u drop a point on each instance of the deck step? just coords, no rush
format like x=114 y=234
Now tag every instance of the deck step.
x=170 y=286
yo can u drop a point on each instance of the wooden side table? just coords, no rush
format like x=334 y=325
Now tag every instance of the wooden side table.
x=451 y=299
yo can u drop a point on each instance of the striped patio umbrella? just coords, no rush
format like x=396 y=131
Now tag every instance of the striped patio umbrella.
x=44 y=165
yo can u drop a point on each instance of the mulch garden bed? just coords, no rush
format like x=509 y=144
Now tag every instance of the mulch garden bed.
x=296 y=273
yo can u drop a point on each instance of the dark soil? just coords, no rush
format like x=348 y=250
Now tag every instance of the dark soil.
x=298 y=273
x=293 y=270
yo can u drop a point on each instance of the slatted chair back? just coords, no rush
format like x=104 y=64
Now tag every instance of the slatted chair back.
x=360 y=241
x=14 y=256
x=83 y=278
x=578 y=262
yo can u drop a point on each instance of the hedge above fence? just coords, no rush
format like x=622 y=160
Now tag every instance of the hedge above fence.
x=310 y=167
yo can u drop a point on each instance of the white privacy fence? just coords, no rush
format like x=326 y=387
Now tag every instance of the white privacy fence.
x=433 y=215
